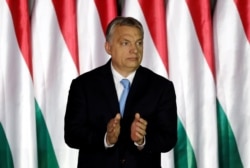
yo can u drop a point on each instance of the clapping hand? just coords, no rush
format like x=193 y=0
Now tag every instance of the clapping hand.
x=113 y=130
x=138 y=129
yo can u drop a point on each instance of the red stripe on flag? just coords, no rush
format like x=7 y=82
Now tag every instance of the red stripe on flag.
x=244 y=11
x=66 y=16
x=201 y=15
x=107 y=10
x=21 y=20
x=155 y=15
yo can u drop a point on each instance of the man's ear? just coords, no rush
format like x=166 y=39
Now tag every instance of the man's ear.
x=108 y=47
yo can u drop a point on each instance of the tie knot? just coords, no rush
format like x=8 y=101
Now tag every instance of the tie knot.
x=125 y=83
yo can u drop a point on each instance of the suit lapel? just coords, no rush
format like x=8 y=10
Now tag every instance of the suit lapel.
x=137 y=89
x=109 y=88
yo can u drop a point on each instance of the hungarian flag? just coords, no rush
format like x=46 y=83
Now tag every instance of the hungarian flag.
x=93 y=18
x=55 y=64
x=17 y=107
x=191 y=68
x=152 y=14
x=232 y=49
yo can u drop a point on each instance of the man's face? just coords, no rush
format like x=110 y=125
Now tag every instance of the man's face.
x=126 y=49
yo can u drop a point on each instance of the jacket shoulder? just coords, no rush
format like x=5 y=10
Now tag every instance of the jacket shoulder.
x=152 y=76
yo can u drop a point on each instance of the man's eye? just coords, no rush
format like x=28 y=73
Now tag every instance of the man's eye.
x=124 y=43
x=139 y=43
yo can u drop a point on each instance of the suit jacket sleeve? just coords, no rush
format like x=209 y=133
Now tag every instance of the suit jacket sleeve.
x=79 y=132
x=162 y=129
x=154 y=98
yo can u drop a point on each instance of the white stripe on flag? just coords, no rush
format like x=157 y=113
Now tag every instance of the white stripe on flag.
x=90 y=36
x=54 y=69
x=194 y=84
x=17 y=110
x=233 y=72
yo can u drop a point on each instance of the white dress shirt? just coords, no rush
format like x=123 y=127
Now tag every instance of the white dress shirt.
x=117 y=78
x=119 y=88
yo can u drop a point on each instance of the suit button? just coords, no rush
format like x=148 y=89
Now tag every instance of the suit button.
x=122 y=161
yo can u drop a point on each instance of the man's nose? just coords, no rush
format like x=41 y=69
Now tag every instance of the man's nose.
x=134 y=48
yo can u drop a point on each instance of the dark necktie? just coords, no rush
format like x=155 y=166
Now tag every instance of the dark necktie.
x=126 y=85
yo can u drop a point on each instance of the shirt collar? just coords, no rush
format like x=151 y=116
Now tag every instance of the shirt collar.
x=118 y=77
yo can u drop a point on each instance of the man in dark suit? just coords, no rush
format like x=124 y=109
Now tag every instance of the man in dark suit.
x=106 y=136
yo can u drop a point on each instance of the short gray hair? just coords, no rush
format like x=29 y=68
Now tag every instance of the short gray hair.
x=123 y=21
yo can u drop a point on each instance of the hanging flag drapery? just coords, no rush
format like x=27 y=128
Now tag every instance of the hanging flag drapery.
x=55 y=63
x=191 y=64
x=232 y=50
x=17 y=107
x=93 y=18
x=66 y=38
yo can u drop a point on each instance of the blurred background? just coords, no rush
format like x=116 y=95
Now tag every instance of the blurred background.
x=203 y=46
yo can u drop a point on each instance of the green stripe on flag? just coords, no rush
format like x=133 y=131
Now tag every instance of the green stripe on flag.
x=5 y=152
x=183 y=152
x=46 y=154
x=228 y=152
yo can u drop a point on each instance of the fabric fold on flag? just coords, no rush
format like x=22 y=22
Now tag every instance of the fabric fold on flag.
x=232 y=51
x=191 y=66
x=93 y=18
x=55 y=62
x=17 y=109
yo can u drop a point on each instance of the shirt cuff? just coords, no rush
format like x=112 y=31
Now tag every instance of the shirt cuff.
x=140 y=147
x=105 y=142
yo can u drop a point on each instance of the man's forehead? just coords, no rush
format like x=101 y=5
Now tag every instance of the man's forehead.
x=128 y=31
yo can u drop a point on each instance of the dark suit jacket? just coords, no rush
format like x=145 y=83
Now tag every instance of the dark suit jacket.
x=93 y=101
